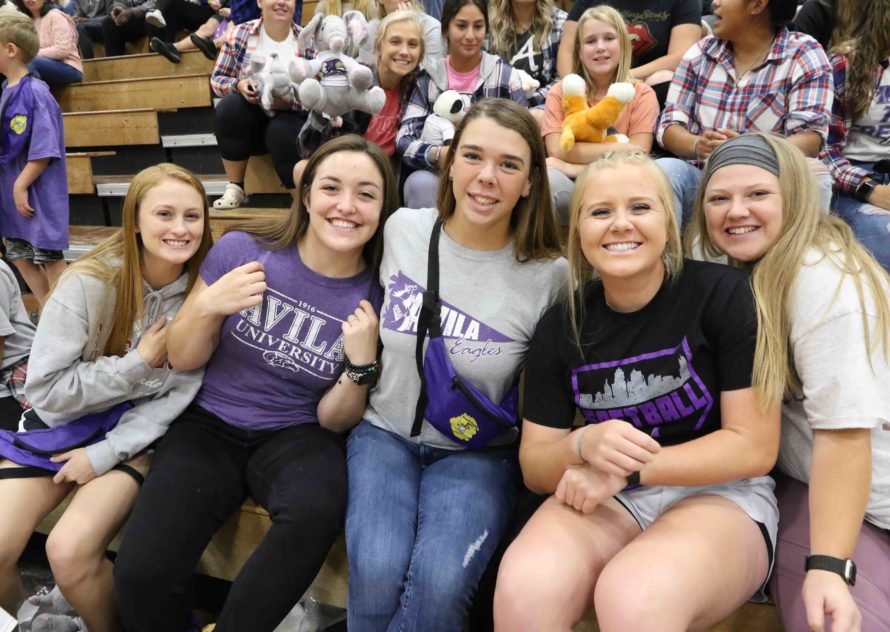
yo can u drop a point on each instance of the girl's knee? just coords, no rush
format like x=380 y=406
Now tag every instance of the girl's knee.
x=630 y=599
x=70 y=556
x=531 y=582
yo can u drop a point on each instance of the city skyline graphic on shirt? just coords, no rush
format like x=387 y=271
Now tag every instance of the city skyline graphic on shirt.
x=647 y=390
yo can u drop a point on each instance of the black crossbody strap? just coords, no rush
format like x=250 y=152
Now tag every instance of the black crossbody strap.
x=428 y=320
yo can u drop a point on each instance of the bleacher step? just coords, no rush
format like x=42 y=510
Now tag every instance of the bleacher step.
x=157 y=93
x=111 y=128
x=189 y=140
x=142 y=66
x=82 y=239
x=117 y=186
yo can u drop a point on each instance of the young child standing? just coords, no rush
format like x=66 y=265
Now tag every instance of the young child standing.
x=33 y=179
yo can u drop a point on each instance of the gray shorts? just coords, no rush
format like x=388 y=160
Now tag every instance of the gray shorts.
x=19 y=249
x=753 y=495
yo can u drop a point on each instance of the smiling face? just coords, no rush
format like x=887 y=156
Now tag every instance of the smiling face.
x=466 y=33
x=600 y=49
x=489 y=174
x=623 y=226
x=743 y=210
x=400 y=49
x=277 y=11
x=344 y=202
x=170 y=223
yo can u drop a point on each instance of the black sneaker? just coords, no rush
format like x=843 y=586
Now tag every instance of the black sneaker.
x=157 y=45
x=205 y=45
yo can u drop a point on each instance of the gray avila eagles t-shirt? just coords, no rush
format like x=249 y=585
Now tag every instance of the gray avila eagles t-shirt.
x=491 y=304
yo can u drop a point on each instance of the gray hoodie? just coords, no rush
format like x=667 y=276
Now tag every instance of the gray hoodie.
x=66 y=380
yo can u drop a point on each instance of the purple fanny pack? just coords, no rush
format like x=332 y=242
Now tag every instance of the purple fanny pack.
x=35 y=447
x=454 y=407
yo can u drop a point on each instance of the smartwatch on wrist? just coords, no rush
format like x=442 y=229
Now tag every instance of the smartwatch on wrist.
x=844 y=568
x=633 y=480
x=361 y=374
x=865 y=189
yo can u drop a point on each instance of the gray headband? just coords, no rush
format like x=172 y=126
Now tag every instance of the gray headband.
x=747 y=149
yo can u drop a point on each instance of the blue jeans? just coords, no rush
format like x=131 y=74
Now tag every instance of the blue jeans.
x=421 y=527
x=870 y=223
x=684 y=178
x=54 y=72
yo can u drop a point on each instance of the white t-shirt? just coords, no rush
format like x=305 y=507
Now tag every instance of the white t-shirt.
x=840 y=389
x=266 y=46
x=869 y=139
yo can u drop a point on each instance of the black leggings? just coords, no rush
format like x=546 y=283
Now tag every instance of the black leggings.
x=244 y=130
x=200 y=474
x=182 y=14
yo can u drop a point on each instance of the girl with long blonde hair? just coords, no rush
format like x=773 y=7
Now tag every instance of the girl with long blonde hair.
x=526 y=34
x=822 y=351
x=431 y=30
x=602 y=57
x=100 y=354
x=669 y=470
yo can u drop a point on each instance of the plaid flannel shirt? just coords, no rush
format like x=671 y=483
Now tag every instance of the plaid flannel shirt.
x=548 y=57
x=496 y=79
x=789 y=93
x=234 y=58
x=847 y=176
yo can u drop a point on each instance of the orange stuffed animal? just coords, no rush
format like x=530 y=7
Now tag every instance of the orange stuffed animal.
x=591 y=124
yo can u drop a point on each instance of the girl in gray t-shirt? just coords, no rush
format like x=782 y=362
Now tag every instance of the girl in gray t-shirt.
x=421 y=505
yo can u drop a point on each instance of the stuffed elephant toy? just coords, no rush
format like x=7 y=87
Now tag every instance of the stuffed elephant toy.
x=333 y=83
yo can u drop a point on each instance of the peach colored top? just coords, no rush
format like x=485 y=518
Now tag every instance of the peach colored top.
x=637 y=117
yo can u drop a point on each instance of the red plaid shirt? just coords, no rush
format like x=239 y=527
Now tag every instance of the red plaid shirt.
x=789 y=93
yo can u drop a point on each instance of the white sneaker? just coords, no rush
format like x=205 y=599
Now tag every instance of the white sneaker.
x=156 y=18
x=233 y=197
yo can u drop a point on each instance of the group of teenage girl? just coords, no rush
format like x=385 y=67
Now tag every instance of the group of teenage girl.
x=243 y=370
x=692 y=434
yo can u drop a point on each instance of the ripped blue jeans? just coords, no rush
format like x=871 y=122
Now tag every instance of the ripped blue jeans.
x=870 y=223
x=421 y=526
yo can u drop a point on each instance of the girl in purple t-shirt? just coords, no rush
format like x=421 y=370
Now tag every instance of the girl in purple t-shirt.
x=284 y=318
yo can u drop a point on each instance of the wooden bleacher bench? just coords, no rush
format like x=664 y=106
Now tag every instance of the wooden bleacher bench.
x=111 y=128
x=158 y=93
x=79 y=166
x=144 y=66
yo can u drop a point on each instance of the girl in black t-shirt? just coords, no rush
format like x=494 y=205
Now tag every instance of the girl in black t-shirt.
x=662 y=515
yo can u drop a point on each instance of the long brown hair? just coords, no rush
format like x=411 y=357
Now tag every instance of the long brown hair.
x=278 y=233
x=117 y=260
x=863 y=54
x=502 y=36
x=532 y=223
x=805 y=226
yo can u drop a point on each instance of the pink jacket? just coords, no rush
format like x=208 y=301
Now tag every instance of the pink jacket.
x=58 y=38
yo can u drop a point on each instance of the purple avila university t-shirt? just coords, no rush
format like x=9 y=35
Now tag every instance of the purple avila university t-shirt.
x=276 y=360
